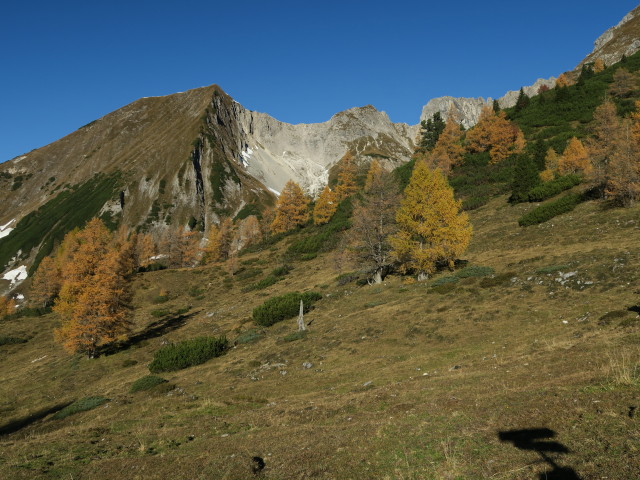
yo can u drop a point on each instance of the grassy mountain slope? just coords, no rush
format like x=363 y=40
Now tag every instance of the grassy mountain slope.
x=406 y=380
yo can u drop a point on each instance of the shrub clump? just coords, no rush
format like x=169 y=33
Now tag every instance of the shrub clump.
x=188 y=353
x=250 y=336
x=553 y=188
x=11 y=340
x=292 y=337
x=474 y=271
x=547 y=211
x=285 y=306
x=82 y=405
x=146 y=383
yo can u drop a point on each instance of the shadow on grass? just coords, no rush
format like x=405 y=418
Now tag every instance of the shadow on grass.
x=153 y=330
x=536 y=439
x=23 y=422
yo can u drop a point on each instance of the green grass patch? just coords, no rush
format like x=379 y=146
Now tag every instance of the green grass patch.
x=292 y=337
x=250 y=336
x=47 y=226
x=82 y=405
x=474 y=271
x=552 y=269
x=188 y=353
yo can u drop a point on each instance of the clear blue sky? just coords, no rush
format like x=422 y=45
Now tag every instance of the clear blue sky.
x=66 y=63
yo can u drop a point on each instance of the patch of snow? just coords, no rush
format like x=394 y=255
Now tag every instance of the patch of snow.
x=20 y=297
x=277 y=193
x=16 y=275
x=5 y=230
x=246 y=156
x=158 y=257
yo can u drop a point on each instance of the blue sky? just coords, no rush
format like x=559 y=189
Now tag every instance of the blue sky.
x=66 y=63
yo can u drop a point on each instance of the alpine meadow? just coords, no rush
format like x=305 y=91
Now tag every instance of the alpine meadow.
x=194 y=290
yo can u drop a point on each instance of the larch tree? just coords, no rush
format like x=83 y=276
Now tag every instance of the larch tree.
x=448 y=151
x=551 y=160
x=598 y=65
x=291 y=210
x=325 y=206
x=624 y=83
x=7 y=306
x=146 y=249
x=495 y=134
x=346 y=185
x=46 y=282
x=249 y=232
x=212 y=251
x=563 y=81
x=432 y=230
x=601 y=146
x=92 y=300
x=623 y=178
x=574 y=159
x=373 y=221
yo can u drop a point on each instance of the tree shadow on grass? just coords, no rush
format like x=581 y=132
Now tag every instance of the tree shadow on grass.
x=153 y=330
x=20 y=423
x=536 y=439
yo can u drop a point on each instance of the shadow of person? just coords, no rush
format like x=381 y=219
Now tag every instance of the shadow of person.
x=537 y=440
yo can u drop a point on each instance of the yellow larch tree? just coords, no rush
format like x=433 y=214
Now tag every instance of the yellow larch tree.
x=46 y=282
x=7 y=306
x=623 y=170
x=598 y=65
x=291 y=210
x=346 y=185
x=448 y=151
x=92 y=299
x=601 y=146
x=563 y=80
x=249 y=232
x=495 y=134
x=146 y=249
x=574 y=159
x=212 y=251
x=432 y=230
x=551 y=165
x=325 y=206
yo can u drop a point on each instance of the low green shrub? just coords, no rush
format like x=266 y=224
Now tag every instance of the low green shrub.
x=282 y=270
x=552 y=269
x=146 y=383
x=285 y=306
x=188 y=353
x=345 y=278
x=497 y=280
x=159 y=313
x=160 y=299
x=82 y=405
x=553 y=188
x=547 y=211
x=473 y=203
x=129 y=363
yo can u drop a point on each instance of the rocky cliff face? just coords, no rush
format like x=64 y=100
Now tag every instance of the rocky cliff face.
x=468 y=109
x=622 y=39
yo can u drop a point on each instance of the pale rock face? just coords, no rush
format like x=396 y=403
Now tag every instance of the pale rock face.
x=274 y=152
x=469 y=109
x=614 y=43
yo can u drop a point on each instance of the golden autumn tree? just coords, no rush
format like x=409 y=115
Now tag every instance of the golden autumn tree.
x=598 y=65
x=248 y=232
x=624 y=83
x=623 y=170
x=7 y=306
x=46 y=282
x=346 y=185
x=212 y=251
x=605 y=130
x=146 y=249
x=325 y=207
x=448 y=151
x=574 y=159
x=563 y=80
x=495 y=134
x=431 y=228
x=291 y=209
x=226 y=237
x=94 y=292
x=551 y=165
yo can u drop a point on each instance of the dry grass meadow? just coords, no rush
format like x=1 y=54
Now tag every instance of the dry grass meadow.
x=400 y=381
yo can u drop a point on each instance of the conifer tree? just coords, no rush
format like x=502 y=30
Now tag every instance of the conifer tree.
x=325 y=207
x=623 y=170
x=145 y=249
x=551 y=165
x=94 y=292
x=432 y=229
x=373 y=222
x=448 y=151
x=46 y=282
x=522 y=101
x=346 y=185
x=291 y=210
x=430 y=131
x=624 y=83
x=574 y=159
x=212 y=251
x=525 y=177
x=374 y=172
x=226 y=237
x=602 y=144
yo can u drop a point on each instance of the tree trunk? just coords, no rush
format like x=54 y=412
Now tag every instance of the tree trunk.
x=301 y=325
